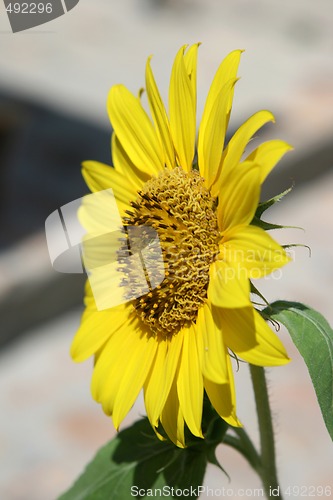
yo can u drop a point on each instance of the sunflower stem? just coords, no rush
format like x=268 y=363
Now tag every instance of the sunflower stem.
x=267 y=471
x=243 y=444
x=249 y=446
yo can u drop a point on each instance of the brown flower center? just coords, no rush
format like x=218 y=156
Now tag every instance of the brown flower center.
x=180 y=209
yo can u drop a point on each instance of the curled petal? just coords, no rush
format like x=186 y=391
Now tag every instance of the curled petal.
x=223 y=397
x=226 y=72
x=212 y=134
x=182 y=104
x=216 y=116
x=267 y=155
x=248 y=335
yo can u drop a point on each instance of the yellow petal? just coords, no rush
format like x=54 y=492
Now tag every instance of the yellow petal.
x=239 y=197
x=255 y=250
x=223 y=397
x=212 y=133
x=122 y=163
x=134 y=130
x=109 y=367
x=99 y=249
x=134 y=374
x=227 y=71
x=191 y=59
x=89 y=300
x=95 y=329
x=159 y=116
x=106 y=283
x=214 y=354
x=229 y=285
x=172 y=418
x=100 y=177
x=267 y=155
x=190 y=384
x=248 y=335
x=242 y=136
x=234 y=151
x=100 y=214
x=216 y=116
x=182 y=112
x=167 y=372
x=154 y=394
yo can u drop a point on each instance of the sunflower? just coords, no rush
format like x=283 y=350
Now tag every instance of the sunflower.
x=175 y=339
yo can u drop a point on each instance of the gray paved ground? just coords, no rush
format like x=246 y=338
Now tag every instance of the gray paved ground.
x=49 y=426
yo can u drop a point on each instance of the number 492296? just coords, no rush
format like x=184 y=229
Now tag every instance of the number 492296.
x=29 y=8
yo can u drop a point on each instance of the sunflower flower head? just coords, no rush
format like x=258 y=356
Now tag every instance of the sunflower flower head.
x=189 y=236
x=190 y=202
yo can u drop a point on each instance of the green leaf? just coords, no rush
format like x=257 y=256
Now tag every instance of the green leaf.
x=313 y=337
x=137 y=459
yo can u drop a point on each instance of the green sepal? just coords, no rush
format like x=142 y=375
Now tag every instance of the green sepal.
x=214 y=430
x=262 y=312
x=267 y=226
x=313 y=337
x=262 y=207
x=292 y=245
x=254 y=290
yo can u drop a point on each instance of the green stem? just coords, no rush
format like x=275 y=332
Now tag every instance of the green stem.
x=249 y=446
x=268 y=466
x=243 y=444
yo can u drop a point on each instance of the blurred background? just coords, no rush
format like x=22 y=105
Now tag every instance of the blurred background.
x=54 y=80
